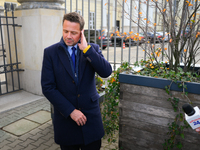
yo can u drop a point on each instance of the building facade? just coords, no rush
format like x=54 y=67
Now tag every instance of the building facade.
x=109 y=15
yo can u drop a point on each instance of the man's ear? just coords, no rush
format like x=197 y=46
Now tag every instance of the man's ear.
x=82 y=31
x=80 y=34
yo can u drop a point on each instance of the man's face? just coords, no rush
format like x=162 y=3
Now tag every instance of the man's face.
x=71 y=33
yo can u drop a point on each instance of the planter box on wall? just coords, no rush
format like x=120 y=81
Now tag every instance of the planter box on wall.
x=145 y=112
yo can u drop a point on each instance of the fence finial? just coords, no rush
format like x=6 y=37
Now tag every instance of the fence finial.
x=12 y=7
x=5 y=6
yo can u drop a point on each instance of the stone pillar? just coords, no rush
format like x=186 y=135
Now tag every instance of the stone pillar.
x=47 y=4
x=41 y=22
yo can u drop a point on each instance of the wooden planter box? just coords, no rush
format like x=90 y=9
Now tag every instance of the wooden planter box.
x=145 y=113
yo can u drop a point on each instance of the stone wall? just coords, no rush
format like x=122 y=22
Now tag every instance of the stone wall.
x=144 y=115
x=40 y=29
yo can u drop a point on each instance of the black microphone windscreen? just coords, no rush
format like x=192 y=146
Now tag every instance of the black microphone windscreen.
x=188 y=109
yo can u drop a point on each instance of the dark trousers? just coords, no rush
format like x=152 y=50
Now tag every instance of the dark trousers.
x=92 y=146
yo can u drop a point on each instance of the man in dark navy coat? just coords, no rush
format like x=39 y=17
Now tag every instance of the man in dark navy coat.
x=68 y=82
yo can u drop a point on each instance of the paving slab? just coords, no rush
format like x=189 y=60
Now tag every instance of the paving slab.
x=20 y=127
x=3 y=136
x=40 y=117
x=38 y=137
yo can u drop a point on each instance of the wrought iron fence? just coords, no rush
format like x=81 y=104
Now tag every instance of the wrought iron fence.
x=9 y=64
x=114 y=14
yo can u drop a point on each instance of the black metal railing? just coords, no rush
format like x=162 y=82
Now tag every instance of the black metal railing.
x=9 y=64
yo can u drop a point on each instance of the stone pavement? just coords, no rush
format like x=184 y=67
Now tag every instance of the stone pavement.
x=29 y=127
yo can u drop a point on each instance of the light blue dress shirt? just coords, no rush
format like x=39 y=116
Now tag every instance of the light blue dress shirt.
x=69 y=48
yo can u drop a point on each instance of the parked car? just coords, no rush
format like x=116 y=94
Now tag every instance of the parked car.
x=147 y=36
x=151 y=37
x=157 y=37
x=187 y=33
x=133 y=41
x=99 y=35
x=136 y=38
x=166 y=36
x=119 y=39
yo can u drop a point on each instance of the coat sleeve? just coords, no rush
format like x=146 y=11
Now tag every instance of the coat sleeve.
x=99 y=63
x=49 y=87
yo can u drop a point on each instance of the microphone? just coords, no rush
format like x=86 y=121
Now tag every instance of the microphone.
x=192 y=115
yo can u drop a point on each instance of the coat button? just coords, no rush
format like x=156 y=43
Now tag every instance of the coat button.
x=78 y=95
x=73 y=81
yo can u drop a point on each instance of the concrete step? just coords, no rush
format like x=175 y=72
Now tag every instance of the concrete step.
x=16 y=99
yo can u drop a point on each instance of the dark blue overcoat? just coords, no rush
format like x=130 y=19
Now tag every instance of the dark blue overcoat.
x=66 y=92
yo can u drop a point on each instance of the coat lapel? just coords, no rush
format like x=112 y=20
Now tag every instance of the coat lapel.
x=82 y=65
x=65 y=61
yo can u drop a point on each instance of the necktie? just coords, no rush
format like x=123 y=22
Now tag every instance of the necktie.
x=73 y=58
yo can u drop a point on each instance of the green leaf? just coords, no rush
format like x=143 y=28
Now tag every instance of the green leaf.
x=182 y=127
x=179 y=145
x=182 y=135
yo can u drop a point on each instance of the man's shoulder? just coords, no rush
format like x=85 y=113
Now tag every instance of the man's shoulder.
x=53 y=46
x=94 y=45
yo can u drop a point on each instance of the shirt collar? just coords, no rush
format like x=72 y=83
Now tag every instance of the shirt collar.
x=69 y=48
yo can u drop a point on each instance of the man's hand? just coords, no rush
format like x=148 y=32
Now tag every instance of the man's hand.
x=78 y=117
x=83 y=43
x=198 y=130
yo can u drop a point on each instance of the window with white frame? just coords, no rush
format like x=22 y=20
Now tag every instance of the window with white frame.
x=8 y=5
x=92 y=20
